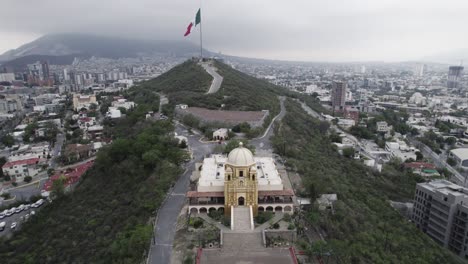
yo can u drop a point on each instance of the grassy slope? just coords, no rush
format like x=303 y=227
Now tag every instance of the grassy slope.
x=187 y=83
x=365 y=229
x=106 y=218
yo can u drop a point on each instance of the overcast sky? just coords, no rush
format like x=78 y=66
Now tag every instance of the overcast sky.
x=307 y=30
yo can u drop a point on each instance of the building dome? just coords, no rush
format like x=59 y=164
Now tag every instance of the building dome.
x=240 y=156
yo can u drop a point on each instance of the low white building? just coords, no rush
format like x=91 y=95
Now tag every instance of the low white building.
x=383 y=126
x=221 y=134
x=326 y=201
x=22 y=168
x=453 y=120
x=401 y=150
x=113 y=113
x=460 y=155
x=346 y=123
x=123 y=103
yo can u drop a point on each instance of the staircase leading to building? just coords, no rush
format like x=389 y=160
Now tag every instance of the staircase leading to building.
x=242 y=242
x=242 y=219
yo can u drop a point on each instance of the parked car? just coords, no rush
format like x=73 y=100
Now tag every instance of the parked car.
x=13 y=225
x=10 y=212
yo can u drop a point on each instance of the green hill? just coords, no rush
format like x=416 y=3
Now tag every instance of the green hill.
x=188 y=83
x=364 y=227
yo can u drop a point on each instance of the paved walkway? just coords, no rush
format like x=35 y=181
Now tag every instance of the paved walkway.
x=217 y=79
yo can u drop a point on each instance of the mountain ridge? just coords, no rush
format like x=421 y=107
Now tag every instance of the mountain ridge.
x=65 y=44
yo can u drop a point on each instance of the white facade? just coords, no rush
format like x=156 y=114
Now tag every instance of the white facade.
x=401 y=150
x=221 y=134
x=123 y=103
x=212 y=174
x=461 y=157
x=346 y=123
x=382 y=126
x=21 y=168
x=113 y=113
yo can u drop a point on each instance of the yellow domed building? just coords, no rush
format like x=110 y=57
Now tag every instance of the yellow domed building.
x=239 y=179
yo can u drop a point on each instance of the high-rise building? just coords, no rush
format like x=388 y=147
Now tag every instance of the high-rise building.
x=363 y=69
x=441 y=211
x=66 y=77
x=422 y=68
x=39 y=73
x=338 y=98
x=45 y=70
x=454 y=76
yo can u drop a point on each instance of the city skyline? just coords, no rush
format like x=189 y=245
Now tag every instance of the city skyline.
x=356 y=30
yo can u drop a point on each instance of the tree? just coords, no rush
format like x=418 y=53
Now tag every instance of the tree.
x=27 y=179
x=451 y=162
x=93 y=107
x=58 y=186
x=183 y=144
x=8 y=140
x=419 y=155
x=348 y=152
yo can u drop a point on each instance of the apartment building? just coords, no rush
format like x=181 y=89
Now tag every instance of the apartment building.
x=441 y=211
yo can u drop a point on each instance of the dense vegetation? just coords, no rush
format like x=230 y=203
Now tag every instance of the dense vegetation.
x=106 y=219
x=364 y=227
x=188 y=83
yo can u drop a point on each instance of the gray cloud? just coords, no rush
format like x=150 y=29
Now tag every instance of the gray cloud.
x=298 y=29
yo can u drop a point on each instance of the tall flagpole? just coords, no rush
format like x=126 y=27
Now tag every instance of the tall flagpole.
x=201 y=37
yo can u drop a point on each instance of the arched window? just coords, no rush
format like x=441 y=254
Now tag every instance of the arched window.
x=253 y=177
x=241 y=173
x=241 y=183
x=229 y=177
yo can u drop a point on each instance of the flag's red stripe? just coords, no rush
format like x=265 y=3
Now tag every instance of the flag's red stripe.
x=189 y=28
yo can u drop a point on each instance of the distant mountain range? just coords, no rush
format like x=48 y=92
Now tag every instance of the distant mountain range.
x=452 y=57
x=60 y=48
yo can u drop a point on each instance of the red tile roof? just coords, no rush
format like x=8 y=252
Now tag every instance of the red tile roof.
x=287 y=192
x=419 y=165
x=72 y=175
x=195 y=194
x=85 y=119
x=21 y=162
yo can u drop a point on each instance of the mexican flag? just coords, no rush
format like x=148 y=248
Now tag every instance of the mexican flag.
x=192 y=24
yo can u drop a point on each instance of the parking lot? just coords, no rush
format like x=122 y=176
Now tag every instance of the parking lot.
x=19 y=218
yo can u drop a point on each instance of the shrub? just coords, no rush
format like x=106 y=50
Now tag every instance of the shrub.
x=451 y=162
x=276 y=226
x=6 y=196
x=188 y=260
x=264 y=217
x=197 y=223
x=291 y=226
x=287 y=217
x=27 y=179
x=216 y=215
x=14 y=184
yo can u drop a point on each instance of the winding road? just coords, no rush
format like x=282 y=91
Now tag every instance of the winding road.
x=166 y=220
x=217 y=79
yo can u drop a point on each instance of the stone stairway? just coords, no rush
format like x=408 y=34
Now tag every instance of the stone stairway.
x=241 y=242
x=242 y=219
